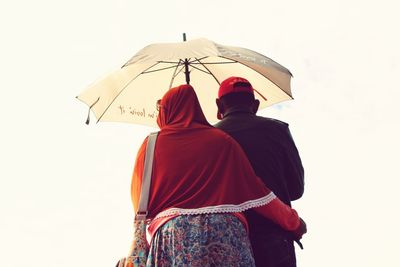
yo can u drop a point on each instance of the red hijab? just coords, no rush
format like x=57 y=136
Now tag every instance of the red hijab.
x=197 y=168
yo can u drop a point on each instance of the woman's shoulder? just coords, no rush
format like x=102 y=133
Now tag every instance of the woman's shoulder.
x=220 y=135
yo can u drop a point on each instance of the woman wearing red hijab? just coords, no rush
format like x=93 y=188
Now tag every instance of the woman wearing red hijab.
x=201 y=182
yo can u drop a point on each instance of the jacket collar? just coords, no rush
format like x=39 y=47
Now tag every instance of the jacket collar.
x=233 y=110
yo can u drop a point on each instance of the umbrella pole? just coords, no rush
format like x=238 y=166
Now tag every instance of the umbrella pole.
x=186 y=62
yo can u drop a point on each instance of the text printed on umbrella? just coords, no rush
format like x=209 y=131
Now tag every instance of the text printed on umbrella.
x=136 y=112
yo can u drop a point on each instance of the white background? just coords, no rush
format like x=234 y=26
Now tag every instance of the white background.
x=65 y=186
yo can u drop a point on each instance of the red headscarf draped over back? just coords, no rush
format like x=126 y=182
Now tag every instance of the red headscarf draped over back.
x=197 y=168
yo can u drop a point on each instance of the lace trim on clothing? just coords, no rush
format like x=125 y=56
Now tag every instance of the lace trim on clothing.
x=220 y=208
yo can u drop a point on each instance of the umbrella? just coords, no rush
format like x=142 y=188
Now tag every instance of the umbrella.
x=130 y=93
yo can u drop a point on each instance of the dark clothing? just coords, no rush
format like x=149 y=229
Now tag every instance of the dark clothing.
x=273 y=251
x=273 y=155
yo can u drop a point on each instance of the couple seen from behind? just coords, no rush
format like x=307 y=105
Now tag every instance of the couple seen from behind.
x=220 y=195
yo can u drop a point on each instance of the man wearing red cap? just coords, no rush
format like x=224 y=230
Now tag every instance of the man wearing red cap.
x=273 y=155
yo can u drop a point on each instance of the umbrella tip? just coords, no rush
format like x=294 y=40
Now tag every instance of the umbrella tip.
x=88 y=118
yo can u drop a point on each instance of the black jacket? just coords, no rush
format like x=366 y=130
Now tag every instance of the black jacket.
x=272 y=152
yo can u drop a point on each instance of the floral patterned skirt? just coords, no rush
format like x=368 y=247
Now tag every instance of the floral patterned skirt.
x=201 y=240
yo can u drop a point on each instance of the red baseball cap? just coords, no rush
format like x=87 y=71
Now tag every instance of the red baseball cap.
x=235 y=85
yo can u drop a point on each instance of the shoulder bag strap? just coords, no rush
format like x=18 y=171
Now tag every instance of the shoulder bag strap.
x=146 y=179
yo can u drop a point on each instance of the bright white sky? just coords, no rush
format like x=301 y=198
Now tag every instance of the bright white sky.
x=64 y=186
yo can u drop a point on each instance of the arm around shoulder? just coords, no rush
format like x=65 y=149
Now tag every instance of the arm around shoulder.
x=284 y=216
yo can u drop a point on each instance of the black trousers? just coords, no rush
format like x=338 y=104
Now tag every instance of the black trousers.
x=273 y=251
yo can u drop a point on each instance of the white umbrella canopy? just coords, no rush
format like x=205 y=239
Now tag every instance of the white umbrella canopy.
x=130 y=94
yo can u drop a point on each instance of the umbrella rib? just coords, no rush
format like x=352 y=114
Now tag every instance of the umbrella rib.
x=215 y=63
x=180 y=63
x=175 y=73
x=177 y=62
x=208 y=70
x=194 y=67
x=209 y=63
x=180 y=70
x=166 y=68
x=171 y=62
x=196 y=59
x=126 y=85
